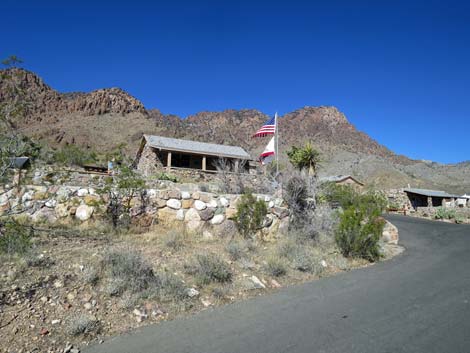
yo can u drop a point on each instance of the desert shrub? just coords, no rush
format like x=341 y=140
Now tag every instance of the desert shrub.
x=15 y=238
x=73 y=155
x=235 y=250
x=361 y=227
x=166 y=176
x=276 y=266
x=170 y=287
x=210 y=268
x=127 y=271
x=288 y=248
x=306 y=260
x=90 y=275
x=221 y=292
x=250 y=215
x=83 y=325
x=175 y=239
x=444 y=213
x=299 y=193
x=459 y=219
x=120 y=190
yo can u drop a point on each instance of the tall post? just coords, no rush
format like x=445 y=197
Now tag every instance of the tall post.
x=276 y=137
x=168 y=160
x=204 y=163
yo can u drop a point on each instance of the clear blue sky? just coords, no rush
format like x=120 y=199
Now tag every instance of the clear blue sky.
x=399 y=70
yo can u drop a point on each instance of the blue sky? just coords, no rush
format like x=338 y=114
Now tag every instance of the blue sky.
x=399 y=70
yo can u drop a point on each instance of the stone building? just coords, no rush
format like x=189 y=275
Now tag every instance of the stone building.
x=430 y=198
x=343 y=180
x=157 y=154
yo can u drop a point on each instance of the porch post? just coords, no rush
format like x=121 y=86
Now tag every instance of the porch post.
x=168 y=160
x=204 y=163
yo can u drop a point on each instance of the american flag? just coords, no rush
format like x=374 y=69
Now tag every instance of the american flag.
x=269 y=128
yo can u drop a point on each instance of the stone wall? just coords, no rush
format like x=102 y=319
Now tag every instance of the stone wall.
x=197 y=210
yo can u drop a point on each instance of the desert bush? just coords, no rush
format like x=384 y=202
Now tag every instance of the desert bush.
x=127 y=271
x=90 y=275
x=166 y=176
x=276 y=266
x=288 y=248
x=444 y=213
x=73 y=155
x=170 y=287
x=175 y=239
x=361 y=227
x=210 y=268
x=120 y=190
x=306 y=260
x=15 y=238
x=235 y=250
x=83 y=325
x=250 y=215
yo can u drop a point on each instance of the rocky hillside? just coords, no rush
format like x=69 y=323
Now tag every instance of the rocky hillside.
x=105 y=118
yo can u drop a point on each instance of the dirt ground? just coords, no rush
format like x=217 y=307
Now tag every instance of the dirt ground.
x=49 y=301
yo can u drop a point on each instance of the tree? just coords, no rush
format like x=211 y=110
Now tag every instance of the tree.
x=305 y=157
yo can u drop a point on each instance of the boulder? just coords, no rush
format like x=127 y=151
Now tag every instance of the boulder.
x=84 y=212
x=174 y=204
x=231 y=212
x=207 y=213
x=226 y=229
x=390 y=233
x=218 y=219
x=205 y=196
x=280 y=212
x=82 y=192
x=50 y=203
x=185 y=195
x=160 y=203
x=180 y=215
x=174 y=194
x=61 y=210
x=194 y=226
x=186 y=203
x=224 y=202
x=199 y=205
x=192 y=215
x=212 y=203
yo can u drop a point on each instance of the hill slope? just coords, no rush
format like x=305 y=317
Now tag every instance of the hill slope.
x=105 y=118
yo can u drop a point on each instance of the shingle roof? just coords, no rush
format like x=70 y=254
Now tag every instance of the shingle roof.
x=431 y=193
x=210 y=149
x=338 y=178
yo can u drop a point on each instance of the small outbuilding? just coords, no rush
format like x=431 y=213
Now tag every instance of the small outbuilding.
x=158 y=153
x=429 y=198
x=342 y=180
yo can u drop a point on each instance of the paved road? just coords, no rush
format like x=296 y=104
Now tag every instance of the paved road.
x=417 y=302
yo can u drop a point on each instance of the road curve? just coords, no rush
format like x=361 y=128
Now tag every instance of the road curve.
x=417 y=302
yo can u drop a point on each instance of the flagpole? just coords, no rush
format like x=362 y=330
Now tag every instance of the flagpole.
x=276 y=143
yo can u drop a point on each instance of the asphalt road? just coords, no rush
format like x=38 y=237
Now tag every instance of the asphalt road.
x=417 y=302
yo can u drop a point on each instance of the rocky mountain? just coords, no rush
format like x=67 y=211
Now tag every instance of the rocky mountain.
x=105 y=118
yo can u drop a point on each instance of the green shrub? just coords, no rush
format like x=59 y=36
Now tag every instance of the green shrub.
x=444 y=213
x=360 y=227
x=250 y=215
x=276 y=266
x=15 y=238
x=210 y=268
x=73 y=155
x=166 y=176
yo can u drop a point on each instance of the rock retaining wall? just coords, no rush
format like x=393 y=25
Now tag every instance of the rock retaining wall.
x=197 y=210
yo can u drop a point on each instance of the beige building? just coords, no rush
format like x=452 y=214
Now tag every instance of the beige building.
x=158 y=153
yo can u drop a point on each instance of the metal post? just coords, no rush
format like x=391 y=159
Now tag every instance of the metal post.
x=276 y=136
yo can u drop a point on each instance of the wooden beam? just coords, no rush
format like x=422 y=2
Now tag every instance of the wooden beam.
x=168 y=160
x=204 y=162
